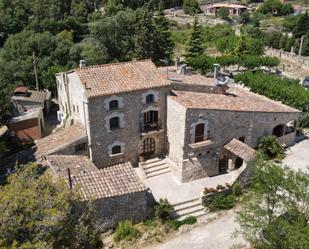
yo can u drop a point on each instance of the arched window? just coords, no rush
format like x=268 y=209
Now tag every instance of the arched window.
x=116 y=150
x=113 y=104
x=199 y=133
x=150 y=98
x=114 y=123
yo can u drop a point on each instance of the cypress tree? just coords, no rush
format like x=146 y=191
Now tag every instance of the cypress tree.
x=163 y=44
x=302 y=26
x=194 y=47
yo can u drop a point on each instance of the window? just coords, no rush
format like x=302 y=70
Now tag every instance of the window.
x=114 y=123
x=116 y=150
x=199 y=133
x=278 y=131
x=149 y=98
x=113 y=104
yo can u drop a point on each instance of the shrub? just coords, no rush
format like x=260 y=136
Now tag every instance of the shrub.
x=191 y=7
x=220 y=187
x=222 y=202
x=190 y=220
x=163 y=210
x=270 y=148
x=236 y=189
x=304 y=120
x=126 y=231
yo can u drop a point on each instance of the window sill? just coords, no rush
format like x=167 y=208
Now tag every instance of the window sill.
x=116 y=155
x=201 y=144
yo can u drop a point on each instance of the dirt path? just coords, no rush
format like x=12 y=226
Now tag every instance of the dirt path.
x=217 y=234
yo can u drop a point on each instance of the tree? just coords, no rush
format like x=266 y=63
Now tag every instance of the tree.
x=164 y=45
x=223 y=13
x=191 y=7
x=274 y=205
x=17 y=57
x=275 y=7
x=145 y=34
x=270 y=148
x=44 y=213
x=5 y=100
x=302 y=25
x=244 y=18
x=194 y=47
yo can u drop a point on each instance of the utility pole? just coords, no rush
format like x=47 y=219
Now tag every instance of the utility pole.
x=35 y=72
x=301 y=46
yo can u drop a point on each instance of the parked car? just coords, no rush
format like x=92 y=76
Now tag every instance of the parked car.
x=305 y=82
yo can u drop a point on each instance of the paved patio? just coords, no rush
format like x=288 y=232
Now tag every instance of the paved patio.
x=297 y=156
x=167 y=186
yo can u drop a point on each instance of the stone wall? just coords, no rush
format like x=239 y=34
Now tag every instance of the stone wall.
x=130 y=134
x=110 y=211
x=223 y=126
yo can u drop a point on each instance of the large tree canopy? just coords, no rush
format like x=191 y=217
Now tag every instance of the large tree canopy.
x=36 y=212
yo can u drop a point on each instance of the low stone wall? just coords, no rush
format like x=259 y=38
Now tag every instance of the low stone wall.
x=110 y=211
x=288 y=139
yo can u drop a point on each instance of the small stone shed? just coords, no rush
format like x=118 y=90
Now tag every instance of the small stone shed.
x=116 y=191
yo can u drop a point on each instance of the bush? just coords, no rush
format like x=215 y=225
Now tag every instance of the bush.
x=304 y=121
x=222 y=202
x=191 y=7
x=190 y=220
x=270 y=148
x=163 y=210
x=126 y=231
x=236 y=189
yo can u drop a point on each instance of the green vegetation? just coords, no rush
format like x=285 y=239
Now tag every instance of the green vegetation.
x=191 y=7
x=285 y=90
x=194 y=47
x=276 y=8
x=126 y=231
x=222 y=202
x=223 y=13
x=277 y=206
x=270 y=148
x=304 y=120
x=190 y=220
x=36 y=212
x=163 y=210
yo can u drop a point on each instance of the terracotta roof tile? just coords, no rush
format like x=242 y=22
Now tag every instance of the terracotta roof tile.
x=77 y=164
x=240 y=149
x=112 y=181
x=60 y=139
x=237 y=98
x=120 y=77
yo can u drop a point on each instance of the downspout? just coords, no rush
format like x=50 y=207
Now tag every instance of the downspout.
x=87 y=124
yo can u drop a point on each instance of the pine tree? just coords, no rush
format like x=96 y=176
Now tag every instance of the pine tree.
x=195 y=47
x=163 y=44
x=302 y=26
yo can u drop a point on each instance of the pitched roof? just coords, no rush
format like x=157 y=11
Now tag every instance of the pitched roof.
x=112 y=181
x=120 y=77
x=77 y=164
x=240 y=149
x=60 y=139
x=237 y=98
x=32 y=96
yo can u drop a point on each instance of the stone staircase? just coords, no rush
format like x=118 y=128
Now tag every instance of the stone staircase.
x=192 y=207
x=154 y=167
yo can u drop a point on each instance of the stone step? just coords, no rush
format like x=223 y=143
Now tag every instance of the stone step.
x=149 y=161
x=155 y=164
x=185 y=202
x=160 y=172
x=190 y=210
x=187 y=205
x=157 y=168
x=196 y=214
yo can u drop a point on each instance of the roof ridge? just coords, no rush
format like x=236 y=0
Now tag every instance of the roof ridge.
x=113 y=64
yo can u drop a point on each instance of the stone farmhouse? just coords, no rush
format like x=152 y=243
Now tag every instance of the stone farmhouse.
x=134 y=111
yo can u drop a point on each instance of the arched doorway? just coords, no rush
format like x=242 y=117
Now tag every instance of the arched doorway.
x=278 y=131
x=238 y=162
x=149 y=147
